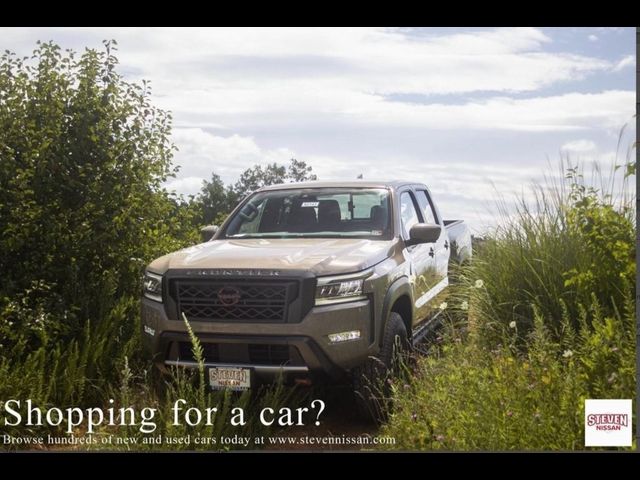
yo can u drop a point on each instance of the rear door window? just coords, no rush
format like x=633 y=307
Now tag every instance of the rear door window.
x=426 y=208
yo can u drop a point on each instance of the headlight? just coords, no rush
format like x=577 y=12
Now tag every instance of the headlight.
x=152 y=286
x=341 y=289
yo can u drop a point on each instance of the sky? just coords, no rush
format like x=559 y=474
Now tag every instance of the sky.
x=472 y=112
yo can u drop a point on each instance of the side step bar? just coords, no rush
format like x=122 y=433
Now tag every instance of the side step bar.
x=426 y=327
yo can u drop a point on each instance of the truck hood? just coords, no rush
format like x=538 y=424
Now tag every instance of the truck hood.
x=321 y=256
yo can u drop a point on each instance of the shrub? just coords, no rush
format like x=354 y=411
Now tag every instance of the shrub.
x=83 y=155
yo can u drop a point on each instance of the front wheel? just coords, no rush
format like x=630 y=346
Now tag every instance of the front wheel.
x=371 y=381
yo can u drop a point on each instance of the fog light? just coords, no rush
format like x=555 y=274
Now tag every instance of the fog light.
x=344 y=336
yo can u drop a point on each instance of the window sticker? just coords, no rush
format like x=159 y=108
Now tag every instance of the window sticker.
x=310 y=204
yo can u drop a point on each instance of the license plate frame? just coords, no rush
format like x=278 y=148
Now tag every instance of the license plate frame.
x=232 y=378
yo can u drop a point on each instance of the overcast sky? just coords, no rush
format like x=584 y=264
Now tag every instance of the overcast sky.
x=464 y=110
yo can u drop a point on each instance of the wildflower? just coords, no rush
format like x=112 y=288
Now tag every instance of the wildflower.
x=479 y=284
x=567 y=354
x=443 y=305
x=537 y=415
x=509 y=413
x=512 y=324
x=464 y=306
x=406 y=386
x=439 y=438
x=414 y=416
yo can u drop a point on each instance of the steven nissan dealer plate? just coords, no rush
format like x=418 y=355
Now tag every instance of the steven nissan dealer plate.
x=230 y=378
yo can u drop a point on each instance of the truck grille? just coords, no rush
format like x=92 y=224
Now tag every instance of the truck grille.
x=228 y=300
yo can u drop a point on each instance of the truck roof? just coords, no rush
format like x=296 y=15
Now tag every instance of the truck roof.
x=340 y=184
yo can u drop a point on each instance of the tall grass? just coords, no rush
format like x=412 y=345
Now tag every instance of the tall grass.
x=73 y=374
x=568 y=241
x=95 y=370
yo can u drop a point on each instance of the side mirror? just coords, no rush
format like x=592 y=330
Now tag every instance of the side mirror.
x=208 y=232
x=424 y=233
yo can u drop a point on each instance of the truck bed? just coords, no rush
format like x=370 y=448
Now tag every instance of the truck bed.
x=459 y=239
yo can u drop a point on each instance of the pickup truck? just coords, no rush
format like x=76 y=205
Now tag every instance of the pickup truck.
x=308 y=281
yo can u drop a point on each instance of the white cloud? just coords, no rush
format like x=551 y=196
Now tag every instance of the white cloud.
x=353 y=59
x=185 y=186
x=628 y=61
x=572 y=111
x=593 y=38
x=200 y=153
x=251 y=79
x=579 y=146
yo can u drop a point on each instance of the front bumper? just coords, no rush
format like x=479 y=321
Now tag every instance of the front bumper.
x=297 y=349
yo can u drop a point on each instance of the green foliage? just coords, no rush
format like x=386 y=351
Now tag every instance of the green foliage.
x=610 y=237
x=73 y=373
x=83 y=155
x=215 y=201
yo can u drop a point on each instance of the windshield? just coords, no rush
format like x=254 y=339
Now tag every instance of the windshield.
x=310 y=213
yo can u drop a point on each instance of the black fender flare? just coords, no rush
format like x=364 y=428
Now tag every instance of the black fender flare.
x=397 y=289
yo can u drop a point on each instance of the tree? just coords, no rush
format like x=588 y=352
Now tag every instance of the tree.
x=83 y=156
x=257 y=176
x=299 y=171
x=215 y=199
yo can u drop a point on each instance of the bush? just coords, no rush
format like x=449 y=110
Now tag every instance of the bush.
x=83 y=155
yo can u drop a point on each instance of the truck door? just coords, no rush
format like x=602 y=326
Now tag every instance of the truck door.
x=420 y=258
x=441 y=247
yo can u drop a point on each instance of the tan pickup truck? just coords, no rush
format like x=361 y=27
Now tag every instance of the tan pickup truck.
x=309 y=280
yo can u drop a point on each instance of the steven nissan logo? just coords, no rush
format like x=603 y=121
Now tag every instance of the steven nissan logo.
x=229 y=295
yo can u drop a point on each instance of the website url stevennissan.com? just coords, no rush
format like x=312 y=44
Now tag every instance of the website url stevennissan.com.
x=337 y=440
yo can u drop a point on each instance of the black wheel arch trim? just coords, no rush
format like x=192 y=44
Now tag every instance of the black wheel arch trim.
x=397 y=289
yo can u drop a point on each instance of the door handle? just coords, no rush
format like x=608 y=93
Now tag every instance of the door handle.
x=446 y=244
x=431 y=252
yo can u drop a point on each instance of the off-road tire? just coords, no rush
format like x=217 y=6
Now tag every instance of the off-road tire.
x=370 y=381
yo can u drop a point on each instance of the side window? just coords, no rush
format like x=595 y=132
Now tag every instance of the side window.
x=408 y=213
x=425 y=206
